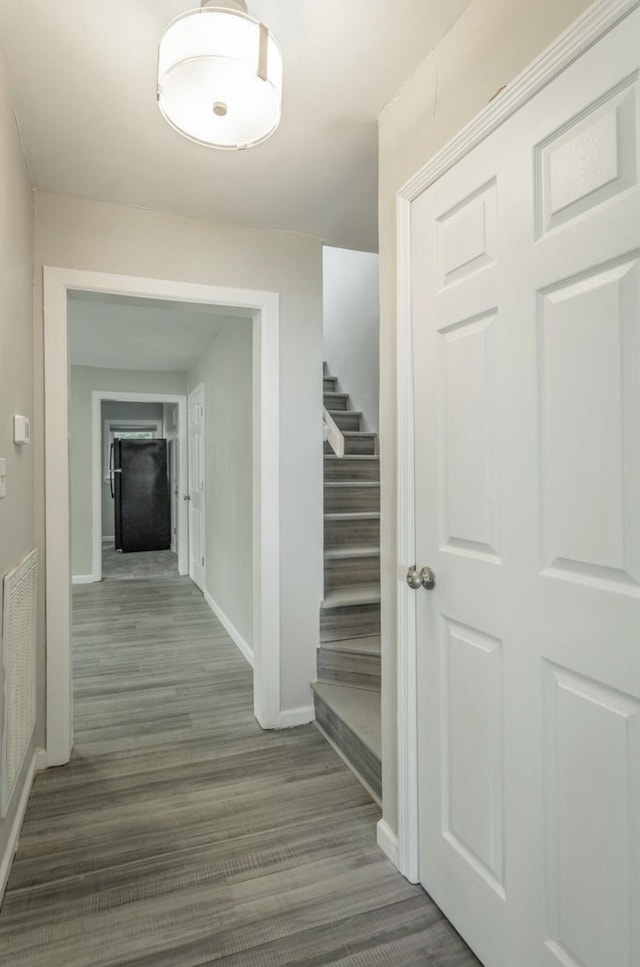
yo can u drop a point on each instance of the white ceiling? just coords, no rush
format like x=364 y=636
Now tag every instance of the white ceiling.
x=83 y=80
x=117 y=332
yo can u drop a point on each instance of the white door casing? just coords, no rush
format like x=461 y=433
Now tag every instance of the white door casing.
x=178 y=402
x=265 y=309
x=524 y=291
x=196 y=495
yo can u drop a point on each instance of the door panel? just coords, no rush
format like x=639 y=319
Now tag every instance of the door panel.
x=526 y=329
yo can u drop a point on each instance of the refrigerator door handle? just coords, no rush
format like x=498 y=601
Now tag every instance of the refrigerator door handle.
x=112 y=470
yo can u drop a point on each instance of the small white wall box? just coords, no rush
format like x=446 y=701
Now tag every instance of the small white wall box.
x=21 y=430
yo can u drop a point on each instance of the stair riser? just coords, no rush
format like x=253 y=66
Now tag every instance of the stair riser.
x=346 y=420
x=349 y=469
x=364 y=445
x=344 y=500
x=351 y=571
x=349 y=669
x=363 y=760
x=340 y=533
x=349 y=621
x=338 y=402
x=329 y=384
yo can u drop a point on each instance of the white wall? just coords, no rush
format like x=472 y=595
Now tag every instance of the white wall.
x=115 y=410
x=85 y=379
x=351 y=314
x=226 y=373
x=16 y=363
x=94 y=236
x=492 y=42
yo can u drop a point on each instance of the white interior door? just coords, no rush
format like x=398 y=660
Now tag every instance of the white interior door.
x=526 y=315
x=196 y=486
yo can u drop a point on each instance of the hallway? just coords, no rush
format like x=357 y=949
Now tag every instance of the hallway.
x=182 y=835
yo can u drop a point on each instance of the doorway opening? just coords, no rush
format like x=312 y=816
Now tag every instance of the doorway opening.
x=262 y=308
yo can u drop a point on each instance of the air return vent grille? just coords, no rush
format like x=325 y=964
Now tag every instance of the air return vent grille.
x=18 y=672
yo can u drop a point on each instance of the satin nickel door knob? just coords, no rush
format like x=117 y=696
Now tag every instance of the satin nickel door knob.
x=425 y=578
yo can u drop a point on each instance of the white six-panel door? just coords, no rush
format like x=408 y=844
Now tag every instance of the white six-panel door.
x=525 y=272
x=196 y=494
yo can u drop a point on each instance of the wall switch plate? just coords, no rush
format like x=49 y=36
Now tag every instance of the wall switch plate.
x=3 y=477
x=21 y=430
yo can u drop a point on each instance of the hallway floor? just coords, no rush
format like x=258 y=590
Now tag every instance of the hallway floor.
x=181 y=835
x=144 y=564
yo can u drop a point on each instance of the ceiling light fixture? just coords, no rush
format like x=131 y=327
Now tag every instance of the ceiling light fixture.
x=220 y=76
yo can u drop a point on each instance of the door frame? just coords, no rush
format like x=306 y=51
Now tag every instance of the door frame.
x=200 y=390
x=97 y=476
x=264 y=307
x=598 y=20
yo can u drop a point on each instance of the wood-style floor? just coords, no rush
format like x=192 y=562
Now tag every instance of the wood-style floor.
x=181 y=835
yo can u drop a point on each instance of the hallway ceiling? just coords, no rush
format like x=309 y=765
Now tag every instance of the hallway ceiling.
x=118 y=332
x=83 y=81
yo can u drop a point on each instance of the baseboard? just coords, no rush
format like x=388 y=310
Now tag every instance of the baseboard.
x=292 y=717
x=109 y=540
x=16 y=826
x=230 y=628
x=83 y=579
x=387 y=841
x=41 y=760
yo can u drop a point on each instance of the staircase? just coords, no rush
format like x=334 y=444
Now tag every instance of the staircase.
x=347 y=690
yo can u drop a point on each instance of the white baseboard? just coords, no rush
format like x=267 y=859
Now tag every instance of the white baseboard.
x=16 y=826
x=230 y=628
x=291 y=717
x=387 y=841
x=82 y=579
x=41 y=760
x=109 y=540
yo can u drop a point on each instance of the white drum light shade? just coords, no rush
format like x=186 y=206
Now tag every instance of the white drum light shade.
x=220 y=78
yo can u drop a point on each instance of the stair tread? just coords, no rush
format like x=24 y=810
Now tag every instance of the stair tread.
x=358 y=708
x=352 y=456
x=354 y=515
x=352 y=483
x=353 y=550
x=352 y=595
x=370 y=645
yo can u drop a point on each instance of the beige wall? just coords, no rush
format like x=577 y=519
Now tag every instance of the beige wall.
x=85 y=379
x=226 y=373
x=80 y=234
x=351 y=309
x=492 y=42
x=16 y=349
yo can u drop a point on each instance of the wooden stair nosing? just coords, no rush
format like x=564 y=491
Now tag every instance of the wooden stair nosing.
x=351 y=596
x=355 y=551
x=366 y=645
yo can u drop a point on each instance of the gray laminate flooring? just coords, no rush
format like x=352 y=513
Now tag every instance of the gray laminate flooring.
x=181 y=835
x=143 y=564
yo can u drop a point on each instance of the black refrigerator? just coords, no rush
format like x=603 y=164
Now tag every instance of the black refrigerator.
x=140 y=489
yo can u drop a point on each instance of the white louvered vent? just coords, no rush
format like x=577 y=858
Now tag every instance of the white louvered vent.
x=18 y=671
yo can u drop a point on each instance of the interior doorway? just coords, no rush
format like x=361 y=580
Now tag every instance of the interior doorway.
x=170 y=423
x=263 y=310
